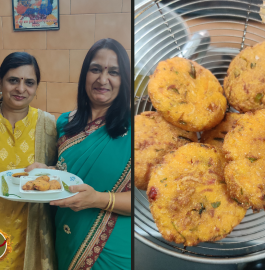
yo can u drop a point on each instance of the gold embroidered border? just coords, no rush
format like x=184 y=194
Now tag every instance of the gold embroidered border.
x=94 y=233
x=72 y=141
x=126 y=175
x=97 y=228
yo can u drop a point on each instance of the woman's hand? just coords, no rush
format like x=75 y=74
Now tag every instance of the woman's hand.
x=88 y=197
x=38 y=165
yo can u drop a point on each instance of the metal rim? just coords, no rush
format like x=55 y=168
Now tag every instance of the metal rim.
x=160 y=34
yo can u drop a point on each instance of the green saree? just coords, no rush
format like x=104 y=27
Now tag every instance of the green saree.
x=93 y=238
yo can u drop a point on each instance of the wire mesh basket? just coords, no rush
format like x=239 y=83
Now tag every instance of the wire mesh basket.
x=211 y=33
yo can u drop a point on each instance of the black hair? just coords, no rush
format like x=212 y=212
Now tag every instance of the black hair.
x=117 y=116
x=18 y=59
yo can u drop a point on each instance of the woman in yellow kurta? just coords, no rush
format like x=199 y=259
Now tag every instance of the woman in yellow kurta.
x=26 y=135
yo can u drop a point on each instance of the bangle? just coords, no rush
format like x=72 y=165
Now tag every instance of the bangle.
x=113 y=201
x=106 y=209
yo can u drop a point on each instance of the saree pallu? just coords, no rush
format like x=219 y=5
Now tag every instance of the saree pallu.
x=93 y=237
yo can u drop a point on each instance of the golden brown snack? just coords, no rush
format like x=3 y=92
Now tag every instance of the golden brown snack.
x=188 y=95
x=44 y=178
x=247 y=139
x=41 y=185
x=54 y=185
x=244 y=85
x=188 y=196
x=155 y=137
x=244 y=148
x=216 y=135
x=20 y=174
x=246 y=182
x=28 y=186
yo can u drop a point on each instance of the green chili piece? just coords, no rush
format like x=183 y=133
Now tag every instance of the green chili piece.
x=258 y=97
x=182 y=123
x=252 y=65
x=178 y=231
x=236 y=200
x=175 y=89
x=202 y=209
x=66 y=187
x=176 y=72
x=216 y=204
x=252 y=159
x=5 y=188
x=164 y=179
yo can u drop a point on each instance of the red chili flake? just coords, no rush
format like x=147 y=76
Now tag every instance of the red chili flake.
x=171 y=87
x=206 y=190
x=211 y=213
x=153 y=193
x=212 y=181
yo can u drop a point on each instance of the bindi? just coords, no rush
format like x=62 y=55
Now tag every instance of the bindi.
x=105 y=67
x=22 y=78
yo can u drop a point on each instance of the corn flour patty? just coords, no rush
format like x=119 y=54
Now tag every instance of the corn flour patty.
x=247 y=139
x=154 y=137
x=188 y=95
x=216 y=135
x=244 y=85
x=188 y=196
x=244 y=149
x=246 y=182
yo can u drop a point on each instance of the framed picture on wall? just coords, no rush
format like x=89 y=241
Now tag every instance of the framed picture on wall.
x=35 y=15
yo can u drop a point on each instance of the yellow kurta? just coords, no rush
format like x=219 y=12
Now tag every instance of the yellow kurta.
x=17 y=150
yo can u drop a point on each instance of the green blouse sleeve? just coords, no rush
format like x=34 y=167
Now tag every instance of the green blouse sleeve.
x=61 y=122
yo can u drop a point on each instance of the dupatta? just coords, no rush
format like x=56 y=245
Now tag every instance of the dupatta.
x=103 y=163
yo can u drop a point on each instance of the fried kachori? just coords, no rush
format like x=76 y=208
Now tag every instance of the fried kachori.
x=155 y=137
x=188 y=197
x=216 y=135
x=244 y=85
x=246 y=182
x=244 y=149
x=44 y=178
x=188 y=95
x=54 y=184
x=28 y=186
x=41 y=185
x=247 y=139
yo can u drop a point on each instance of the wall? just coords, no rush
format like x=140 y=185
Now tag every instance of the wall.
x=60 y=54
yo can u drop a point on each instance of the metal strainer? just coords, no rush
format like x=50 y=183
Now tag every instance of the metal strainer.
x=211 y=33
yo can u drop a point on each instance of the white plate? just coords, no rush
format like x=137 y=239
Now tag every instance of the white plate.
x=25 y=179
x=42 y=196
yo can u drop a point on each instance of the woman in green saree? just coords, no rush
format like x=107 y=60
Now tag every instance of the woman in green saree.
x=93 y=228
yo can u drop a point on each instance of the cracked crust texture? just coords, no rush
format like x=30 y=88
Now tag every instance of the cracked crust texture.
x=188 y=95
x=154 y=138
x=244 y=149
x=247 y=139
x=244 y=85
x=216 y=135
x=188 y=197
